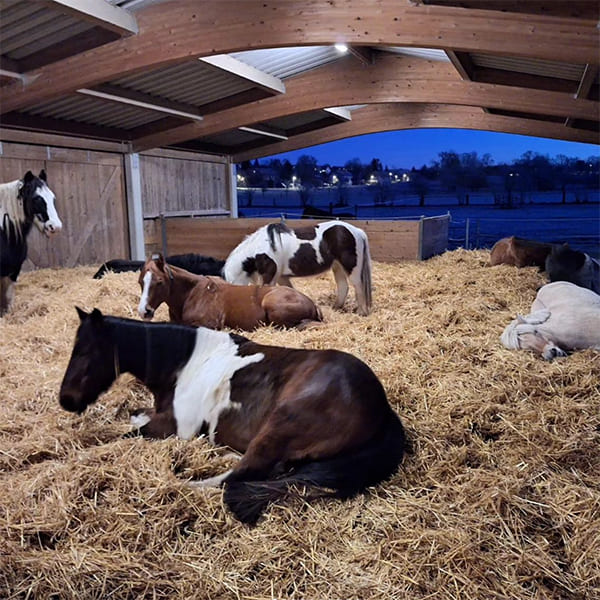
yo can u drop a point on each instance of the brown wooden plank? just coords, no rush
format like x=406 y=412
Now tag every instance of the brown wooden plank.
x=390 y=241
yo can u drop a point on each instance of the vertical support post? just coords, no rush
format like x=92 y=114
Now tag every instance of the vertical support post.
x=135 y=214
x=467 y=223
x=420 y=242
x=232 y=190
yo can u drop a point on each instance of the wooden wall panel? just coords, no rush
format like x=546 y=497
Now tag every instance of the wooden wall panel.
x=390 y=241
x=90 y=200
x=175 y=184
x=434 y=236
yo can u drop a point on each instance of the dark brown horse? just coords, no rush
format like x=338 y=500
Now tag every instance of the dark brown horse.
x=314 y=419
x=212 y=302
x=520 y=252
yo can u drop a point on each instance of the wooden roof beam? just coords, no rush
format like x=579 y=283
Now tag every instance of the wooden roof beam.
x=391 y=79
x=394 y=117
x=382 y=22
x=98 y=12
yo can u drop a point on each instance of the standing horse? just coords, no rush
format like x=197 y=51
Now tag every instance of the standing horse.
x=565 y=264
x=214 y=303
x=274 y=253
x=318 y=419
x=23 y=202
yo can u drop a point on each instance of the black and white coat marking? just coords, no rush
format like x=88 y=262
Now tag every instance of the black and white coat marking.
x=312 y=418
x=23 y=202
x=275 y=253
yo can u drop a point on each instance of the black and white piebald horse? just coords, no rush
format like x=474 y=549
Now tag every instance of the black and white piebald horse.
x=22 y=203
x=274 y=253
x=315 y=419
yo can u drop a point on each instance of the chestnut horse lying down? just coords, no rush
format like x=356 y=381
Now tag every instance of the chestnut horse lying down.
x=563 y=317
x=520 y=252
x=314 y=419
x=214 y=303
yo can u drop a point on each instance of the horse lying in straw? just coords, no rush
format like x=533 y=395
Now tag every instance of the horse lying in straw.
x=274 y=253
x=318 y=419
x=565 y=264
x=214 y=303
x=23 y=202
x=520 y=252
x=563 y=317
x=194 y=263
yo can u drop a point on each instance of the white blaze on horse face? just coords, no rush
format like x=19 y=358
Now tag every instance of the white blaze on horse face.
x=53 y=224
x=202 y=391
x=145 y=292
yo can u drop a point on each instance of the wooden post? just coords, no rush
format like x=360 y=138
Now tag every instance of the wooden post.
x=135 y=212
x=231 y=184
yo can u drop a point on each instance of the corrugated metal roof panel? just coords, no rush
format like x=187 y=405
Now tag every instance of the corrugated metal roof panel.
x=84 y=109
x=544 y=68
x=233 y=138
x=193 y=83
x=297 y=120
x=287 y=62
x=426 y=53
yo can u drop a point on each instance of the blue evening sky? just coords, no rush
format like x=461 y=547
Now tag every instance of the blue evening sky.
x=417 y=147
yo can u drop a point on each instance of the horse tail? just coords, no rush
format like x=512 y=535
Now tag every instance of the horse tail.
x=341 y=476
x=365 y=273
x=276 y=228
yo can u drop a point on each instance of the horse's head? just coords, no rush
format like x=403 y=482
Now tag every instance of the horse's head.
x=91 y=369
x=155 y=281
x=39 y=203
x=522 y=334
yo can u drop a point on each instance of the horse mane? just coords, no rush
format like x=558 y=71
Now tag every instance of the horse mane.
x=11 y=210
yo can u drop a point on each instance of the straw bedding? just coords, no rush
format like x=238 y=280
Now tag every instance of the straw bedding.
x=499 y=496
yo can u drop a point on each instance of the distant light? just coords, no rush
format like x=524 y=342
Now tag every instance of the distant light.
x=341 y=48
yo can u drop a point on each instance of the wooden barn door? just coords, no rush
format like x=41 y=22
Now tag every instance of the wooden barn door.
x=91 y=203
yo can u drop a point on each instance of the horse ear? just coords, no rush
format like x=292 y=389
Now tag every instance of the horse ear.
x=82 y=314
x=28 y=177
x=42 y=175
x=97 y=317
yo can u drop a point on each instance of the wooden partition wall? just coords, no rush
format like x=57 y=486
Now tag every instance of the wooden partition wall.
x=390 y=241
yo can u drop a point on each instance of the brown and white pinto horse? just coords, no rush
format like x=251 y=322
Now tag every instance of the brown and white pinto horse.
x=274 y=253
x=520 y=252
x=317 y=419
x=214 y=303
x=563 y=317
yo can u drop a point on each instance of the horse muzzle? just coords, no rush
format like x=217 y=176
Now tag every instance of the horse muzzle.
x=147 y=314
x=51 y=229
x=71 y=403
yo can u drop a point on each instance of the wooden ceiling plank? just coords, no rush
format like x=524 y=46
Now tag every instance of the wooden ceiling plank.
x=98 y=12
x=222 y=27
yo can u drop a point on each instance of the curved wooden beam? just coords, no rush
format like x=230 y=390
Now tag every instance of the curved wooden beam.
x=181 y=30
x=393 y=117
x=391 y=79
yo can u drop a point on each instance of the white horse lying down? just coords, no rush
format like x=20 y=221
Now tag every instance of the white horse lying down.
x=563 y=317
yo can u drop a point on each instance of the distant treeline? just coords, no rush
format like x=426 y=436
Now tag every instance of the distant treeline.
x=455 y=173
